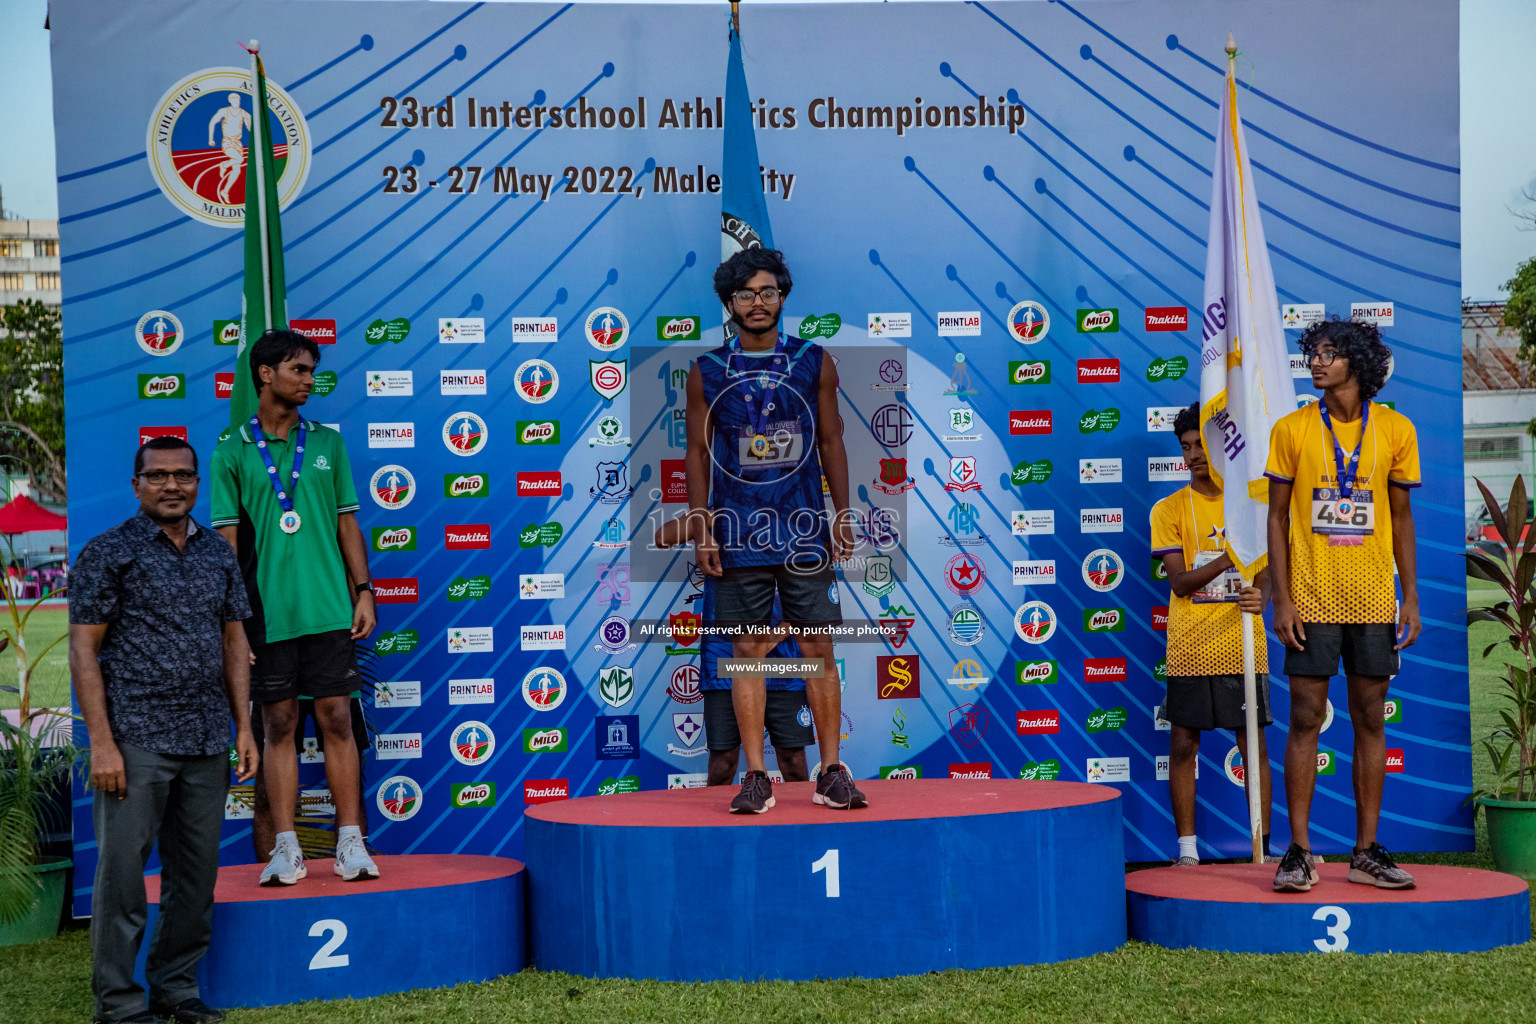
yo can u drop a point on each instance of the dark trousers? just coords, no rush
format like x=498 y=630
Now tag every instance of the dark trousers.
x=178 y=801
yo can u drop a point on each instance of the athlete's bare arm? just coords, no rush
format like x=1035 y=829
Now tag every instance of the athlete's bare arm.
x=834 y=459
x=696 y=466
x=1404 y=541
x=1288 y=627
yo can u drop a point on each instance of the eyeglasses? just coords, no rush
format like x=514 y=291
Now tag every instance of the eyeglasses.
x=157 y=477
x=746 y=296
x=1324 y=356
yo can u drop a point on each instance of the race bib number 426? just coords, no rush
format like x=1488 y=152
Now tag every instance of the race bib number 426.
x=1344 y=520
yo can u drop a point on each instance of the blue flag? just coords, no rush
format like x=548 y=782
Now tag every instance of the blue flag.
x=743 y=211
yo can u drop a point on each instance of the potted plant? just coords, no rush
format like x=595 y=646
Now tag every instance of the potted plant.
x=36 y=755
x=1509 y=801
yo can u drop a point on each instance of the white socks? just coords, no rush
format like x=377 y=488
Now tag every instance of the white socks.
x=1187 y=847
x=355 y=831
x=288 y=839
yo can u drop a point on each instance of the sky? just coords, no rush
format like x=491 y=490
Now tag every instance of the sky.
x=1498 y=154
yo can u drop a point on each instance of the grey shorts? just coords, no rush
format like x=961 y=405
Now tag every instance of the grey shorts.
x=1365 y=648
x=787 y=716
x=745 y=595
x=1213 y=702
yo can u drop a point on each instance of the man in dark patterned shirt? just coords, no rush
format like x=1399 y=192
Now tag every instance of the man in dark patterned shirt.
x=160 y=665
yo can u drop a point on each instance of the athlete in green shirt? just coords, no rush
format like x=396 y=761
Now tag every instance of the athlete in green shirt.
x=294 y=526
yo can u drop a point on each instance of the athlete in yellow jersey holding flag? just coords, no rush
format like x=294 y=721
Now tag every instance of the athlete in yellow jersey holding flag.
x=1340 y=472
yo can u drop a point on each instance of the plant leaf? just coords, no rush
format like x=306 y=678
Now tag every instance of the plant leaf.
x=1500 y=523
x=1516 y=512
x=1482 y=567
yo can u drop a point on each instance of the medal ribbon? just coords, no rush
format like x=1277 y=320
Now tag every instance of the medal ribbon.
x=284 y=498
x=759 y=418
x=1346 y=473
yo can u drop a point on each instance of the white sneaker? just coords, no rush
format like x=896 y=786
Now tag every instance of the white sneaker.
x=352 y=860
x=286 y=866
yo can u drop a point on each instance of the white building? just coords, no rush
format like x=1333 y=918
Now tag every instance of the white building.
x=29 y=261
x=1498 y=405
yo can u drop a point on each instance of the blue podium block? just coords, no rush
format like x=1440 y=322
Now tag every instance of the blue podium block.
x=1233 y=907
x=934 y=874
x=426 y=922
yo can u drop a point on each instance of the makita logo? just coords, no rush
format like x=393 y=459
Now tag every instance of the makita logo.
x=1395 y=760
x=1160 y=618
x=321 y=332
x=1033 y=421
x=542 y=791
x=532 y=485
x=1098 y=371
x=394 y=538
x=678 y=327
x=972 y=770
x=539 y=433
x=1038 y=722
x=1167 y=318
x=464 y=538
x=396 y=591
x=1104 y=670
x=146 y=433
x=545 y=739
x=224 y=385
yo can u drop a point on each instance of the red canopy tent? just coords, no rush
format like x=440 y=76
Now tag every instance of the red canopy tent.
x=23 y=515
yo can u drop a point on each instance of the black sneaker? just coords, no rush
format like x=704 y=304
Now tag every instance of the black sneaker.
x=1375 y=866
x=190 y=1011
x=142 y=1017
x=1296 y=873
x=835 y=788
x=756 y=794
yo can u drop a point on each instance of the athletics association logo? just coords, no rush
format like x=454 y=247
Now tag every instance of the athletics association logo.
x=608 y=377
x=607 y=328
x=399 y=798
x=198 y=141
x=392 y=487
x=472 y=743
x=1103 y=570
x=543 y=689
x=465 y=433
x=1034 y=622
x=1029 y=322
x=537 y=381
x=158 y=332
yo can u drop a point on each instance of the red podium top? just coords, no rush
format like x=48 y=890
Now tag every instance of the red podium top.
x=889 y=800
x=238 y=883
x=1254 y=883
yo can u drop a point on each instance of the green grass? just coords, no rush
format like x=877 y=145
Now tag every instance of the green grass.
x=50 y=675
x=49 y=982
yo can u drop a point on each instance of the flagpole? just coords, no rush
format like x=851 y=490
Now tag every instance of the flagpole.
x=258 y=130
x=1252 y=768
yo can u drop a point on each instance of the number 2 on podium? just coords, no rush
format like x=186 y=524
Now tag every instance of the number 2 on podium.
x=828 y=863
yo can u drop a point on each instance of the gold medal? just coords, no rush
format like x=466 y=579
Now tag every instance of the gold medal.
x=760 y=445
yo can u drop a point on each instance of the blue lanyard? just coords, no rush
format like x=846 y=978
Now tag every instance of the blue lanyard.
x=1346 y=473
x=759 y=418
x=284 y=498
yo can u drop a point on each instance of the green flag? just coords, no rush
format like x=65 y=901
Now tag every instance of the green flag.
x=264 y=303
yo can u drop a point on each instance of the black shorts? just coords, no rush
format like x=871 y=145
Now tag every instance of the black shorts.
x=787 y=716
x=317 y=665
x=1366 y=649
x=1213 y=702
x=744 y=595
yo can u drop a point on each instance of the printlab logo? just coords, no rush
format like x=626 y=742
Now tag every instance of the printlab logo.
x=392 y=487
x=158 y=332
x=214 y=107
x=536 y=330
x=1028 y=322
x=607 y=328
x=461 y=382
x=966 y=324
x=464 y=433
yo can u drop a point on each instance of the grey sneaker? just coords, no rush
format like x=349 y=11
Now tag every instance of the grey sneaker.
x=835 y=788
x=1186 y=862
x=286 y=866
x=756 y=794
x=1375 y=866
x=1296 y=873
x=352 y=861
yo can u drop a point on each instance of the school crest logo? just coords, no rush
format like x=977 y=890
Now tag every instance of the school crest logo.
x=893 y=477
x=464 y=433
x=609 y=377
x=392 y=487
x=199 y=140
x=607 y=328
x=612 y=485
x=616 y=686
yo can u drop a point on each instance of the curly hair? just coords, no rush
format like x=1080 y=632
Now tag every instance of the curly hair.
x=1187 y=420
x=735 y=272
x=1370 y=359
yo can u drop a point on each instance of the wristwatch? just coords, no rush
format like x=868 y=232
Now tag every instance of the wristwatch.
x=365 y=585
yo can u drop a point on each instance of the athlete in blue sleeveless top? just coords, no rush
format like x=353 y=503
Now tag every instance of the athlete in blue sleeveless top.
x=763 y=427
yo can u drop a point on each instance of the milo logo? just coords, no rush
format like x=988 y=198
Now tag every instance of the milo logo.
x=325 y=383
x=1095 y=419
x=466 y=485
x=1159 y=571
x=1106 y=320
x=473 y=794
x=1160 y=670
x=392 y=331
x=534 y=536
x=1325 y=762
x=677 y=328
x=471 y=589
x=1393 y=711
x=399 y=538
x=906 y=771
x=226 y=332
x=162 y=385
x=1107 y=719
x=1171 y=368
x=823 y=326
x=538 y=741
x=1104 y=620
x=400 y=642
x=623 y=784
x=538 y=431
x=1041 y=771
x=1029 y=372
x=1026 y=472
x=1034 y=672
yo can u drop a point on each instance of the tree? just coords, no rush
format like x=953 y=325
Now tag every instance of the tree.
x=32 y=395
